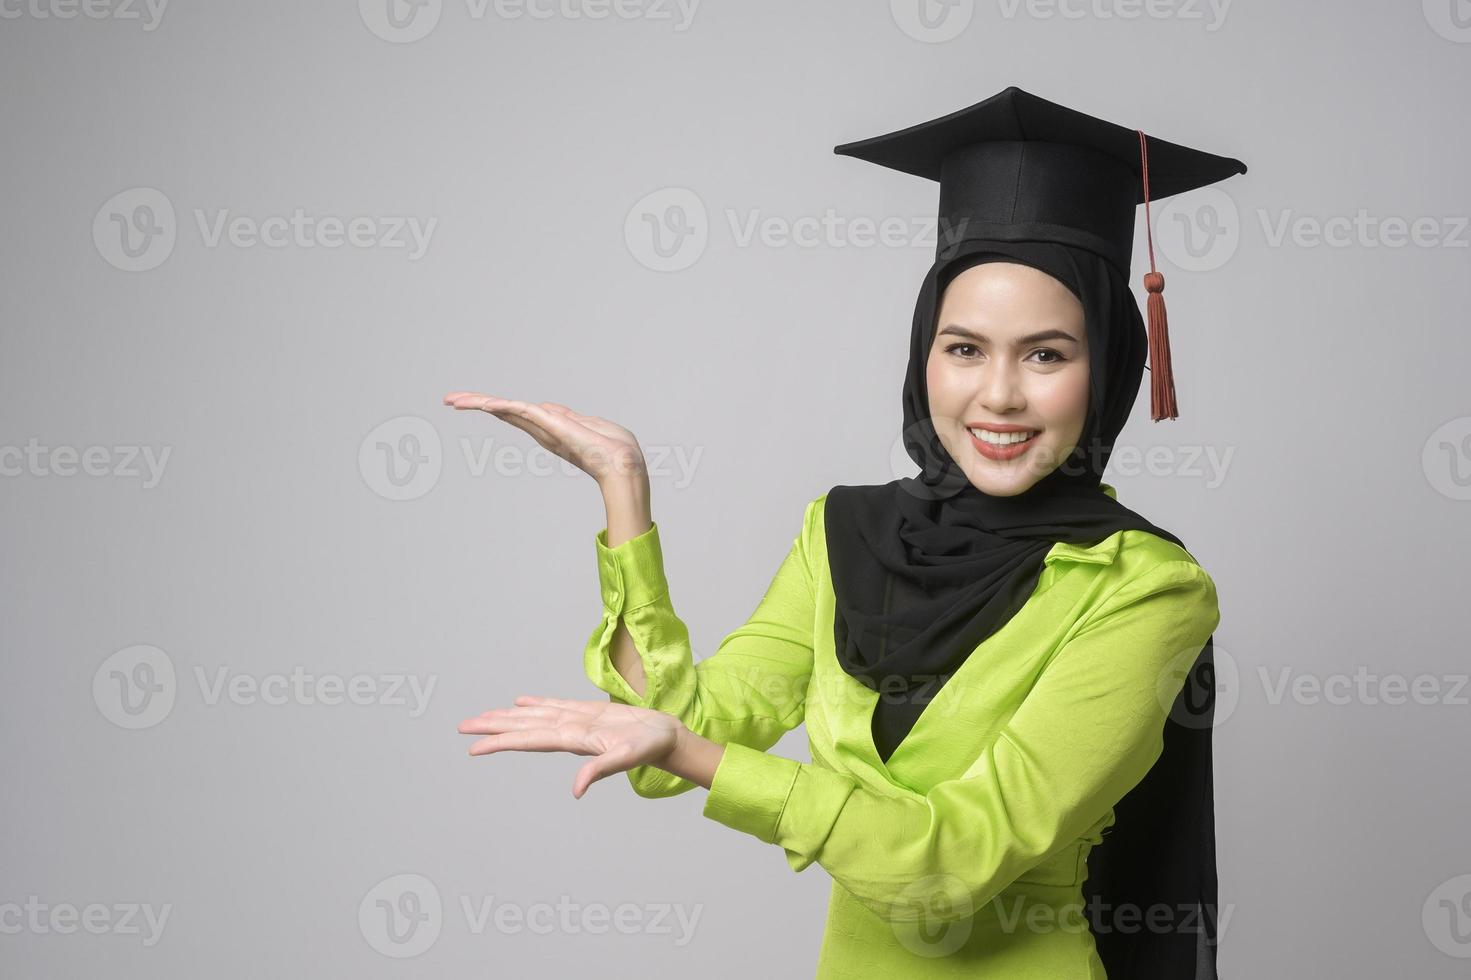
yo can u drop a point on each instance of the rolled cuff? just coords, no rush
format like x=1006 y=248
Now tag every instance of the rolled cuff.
x=749 y=790
x=631 y=574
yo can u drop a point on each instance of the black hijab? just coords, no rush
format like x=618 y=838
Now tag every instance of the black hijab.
x=926 y=568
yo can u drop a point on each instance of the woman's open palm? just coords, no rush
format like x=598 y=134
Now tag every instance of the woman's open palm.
x=621 y=736
x=600 y=448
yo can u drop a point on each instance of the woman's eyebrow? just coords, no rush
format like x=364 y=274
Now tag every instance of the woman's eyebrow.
x=1031 y=338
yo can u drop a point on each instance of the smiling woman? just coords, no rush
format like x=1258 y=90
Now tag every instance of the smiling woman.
x=998 y=664
x=1007 y=407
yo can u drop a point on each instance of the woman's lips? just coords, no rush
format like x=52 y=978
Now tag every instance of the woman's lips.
x=1000 y=453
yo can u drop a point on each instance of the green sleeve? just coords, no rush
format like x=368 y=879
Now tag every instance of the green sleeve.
x=1085 y=735
x=750 y=691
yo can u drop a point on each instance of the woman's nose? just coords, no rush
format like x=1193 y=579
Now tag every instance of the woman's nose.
x=1000 y=388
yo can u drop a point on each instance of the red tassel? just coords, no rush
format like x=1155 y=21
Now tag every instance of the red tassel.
x=1161 y=374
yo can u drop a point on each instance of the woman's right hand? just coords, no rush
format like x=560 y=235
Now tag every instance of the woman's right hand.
x=619 y=736
x=604 y=450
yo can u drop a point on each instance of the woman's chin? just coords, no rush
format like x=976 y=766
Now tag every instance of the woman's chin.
x=1001 y=479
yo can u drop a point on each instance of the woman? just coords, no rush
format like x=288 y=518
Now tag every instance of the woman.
x=989 y=657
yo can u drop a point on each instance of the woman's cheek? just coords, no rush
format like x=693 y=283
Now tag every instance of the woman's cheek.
x=942 y=396
x=1065 y=403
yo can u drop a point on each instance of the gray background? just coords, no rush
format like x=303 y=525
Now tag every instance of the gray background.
x=284 y=381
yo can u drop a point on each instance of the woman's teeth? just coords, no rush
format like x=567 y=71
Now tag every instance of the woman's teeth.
x=1001 y=438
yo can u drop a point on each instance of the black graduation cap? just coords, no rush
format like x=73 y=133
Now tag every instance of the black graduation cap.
x=1018 y=167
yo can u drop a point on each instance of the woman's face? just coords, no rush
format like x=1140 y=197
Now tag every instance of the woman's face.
x=1009 y=362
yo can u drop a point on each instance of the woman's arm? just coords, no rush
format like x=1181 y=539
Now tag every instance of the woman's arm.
x=1087 y=733
x=694 y=758
x=626 y=503
x=750 y=691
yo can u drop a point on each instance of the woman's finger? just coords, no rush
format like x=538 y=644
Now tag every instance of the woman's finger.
x=508 y=407
x=541 y=435
x=529 y=740
x=551 y=429
x=535 y=414
x=596 y=768
x=589 y=774
x=579 y=706
x=505 y=721
x=518 y=709
x=519 y=419
x=587 y=441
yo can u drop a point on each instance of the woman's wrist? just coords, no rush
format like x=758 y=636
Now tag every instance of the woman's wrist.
x=693 y=757
x=626 y=503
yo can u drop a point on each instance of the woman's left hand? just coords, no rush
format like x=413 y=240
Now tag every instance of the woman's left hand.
x=621 y=736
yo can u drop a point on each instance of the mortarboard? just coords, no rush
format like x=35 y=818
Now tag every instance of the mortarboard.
x=1017 y=167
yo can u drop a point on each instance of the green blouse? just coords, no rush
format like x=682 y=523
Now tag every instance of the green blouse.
x=964 y=854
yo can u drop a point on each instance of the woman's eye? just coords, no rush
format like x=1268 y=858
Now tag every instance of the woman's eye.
x=956 y=347
x=1057 y=358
